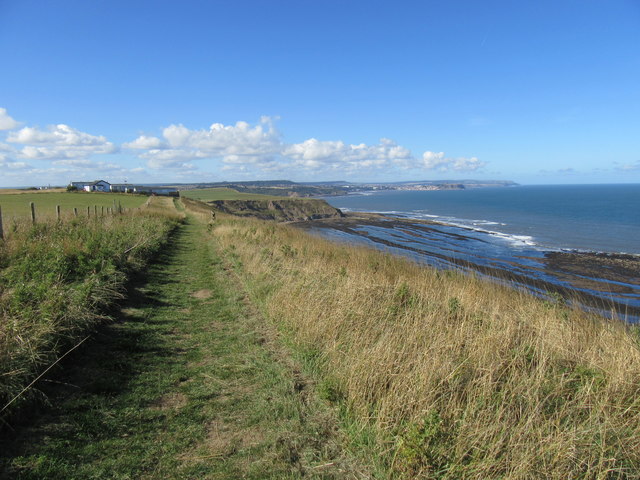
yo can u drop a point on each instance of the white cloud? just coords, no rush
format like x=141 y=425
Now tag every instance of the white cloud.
x=433 y=160
x=11 y=165
x=315 y=154
x=6 y=122
x=8 y=166
x=80 y=163
x=6 y=148
x=7 y=163
x=59 y=142
x=258 y=148
x=438 y=161
x=241 y=148
x=229 y=142
x=629 y=167
x=472 y=164
x=144 y=142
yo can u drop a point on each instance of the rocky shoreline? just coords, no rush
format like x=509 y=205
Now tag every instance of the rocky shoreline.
x=604 y=281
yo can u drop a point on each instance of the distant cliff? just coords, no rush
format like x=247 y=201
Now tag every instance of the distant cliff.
x=285 y=210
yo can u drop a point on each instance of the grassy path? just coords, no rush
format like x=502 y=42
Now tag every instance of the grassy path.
x=188 y=383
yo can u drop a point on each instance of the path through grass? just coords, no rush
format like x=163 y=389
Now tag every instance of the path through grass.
x=189 y=383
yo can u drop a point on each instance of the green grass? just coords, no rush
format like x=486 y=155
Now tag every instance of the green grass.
x=189 y=383
x=57 y=281
x=17 y=204
x=211 y=194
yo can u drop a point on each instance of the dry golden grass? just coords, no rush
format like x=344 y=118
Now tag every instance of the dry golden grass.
x=459 y=377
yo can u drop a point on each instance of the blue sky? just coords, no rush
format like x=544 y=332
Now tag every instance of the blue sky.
x=159 y=91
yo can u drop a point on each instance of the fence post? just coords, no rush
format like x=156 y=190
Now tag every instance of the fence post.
x=95 y=210
x=33 y=212
x=119 y=207
x=102 y=214
x=88 y=211
x=58 y=212
x=1 y=231
x=75 y=211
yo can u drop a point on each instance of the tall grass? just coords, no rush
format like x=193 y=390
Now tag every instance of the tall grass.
x=456 y=377
x=58 y=278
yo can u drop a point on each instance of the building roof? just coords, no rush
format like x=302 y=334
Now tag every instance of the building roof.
x=91 y=183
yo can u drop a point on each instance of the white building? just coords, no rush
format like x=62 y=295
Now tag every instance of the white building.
x=123 y=187
x=102 y=186
x=95 y=186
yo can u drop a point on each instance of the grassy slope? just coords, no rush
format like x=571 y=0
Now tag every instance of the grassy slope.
x=17 y=204
x=452 y=377
x=440 y=375
x=210 y=194
x=189 y=384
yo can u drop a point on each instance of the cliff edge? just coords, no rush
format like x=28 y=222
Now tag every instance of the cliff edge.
x=285 y=210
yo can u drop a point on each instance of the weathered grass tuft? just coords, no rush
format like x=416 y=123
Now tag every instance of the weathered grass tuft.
x=58 y=278
x=458 y=377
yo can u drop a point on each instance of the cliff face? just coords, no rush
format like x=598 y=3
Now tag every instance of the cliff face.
x=285 y=210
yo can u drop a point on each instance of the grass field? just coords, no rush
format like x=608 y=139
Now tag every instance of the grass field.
x=211 y=194
x=17 y=204
x=450 y=376
x=255 y=350
x=189 y=383
x=23 y=191
x=58 y=279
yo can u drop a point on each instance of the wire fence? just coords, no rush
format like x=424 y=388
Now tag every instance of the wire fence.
x=86 y=210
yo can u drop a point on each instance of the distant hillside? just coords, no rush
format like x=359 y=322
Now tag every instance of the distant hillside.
x=279 y=188
x=287 y=188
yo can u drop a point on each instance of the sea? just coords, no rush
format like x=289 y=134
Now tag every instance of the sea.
x=510 y=229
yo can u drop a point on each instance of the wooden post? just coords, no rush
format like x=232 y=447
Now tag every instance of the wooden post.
x=88 y=211
x=102 y=214
x=119 y=207
x=58 y=212
x=95 y=210
x=1 y=232
x=75 y=211
x=33 y=212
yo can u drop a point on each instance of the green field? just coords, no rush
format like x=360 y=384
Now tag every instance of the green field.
x=211 y=194
x=17 y=204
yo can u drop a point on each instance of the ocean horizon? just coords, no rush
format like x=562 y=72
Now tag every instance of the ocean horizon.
x=598 y=218
x=540 y=236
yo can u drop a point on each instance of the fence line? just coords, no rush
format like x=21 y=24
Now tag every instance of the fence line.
x=117 y=208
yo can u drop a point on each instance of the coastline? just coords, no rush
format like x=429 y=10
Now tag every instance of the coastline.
x=607 y=282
